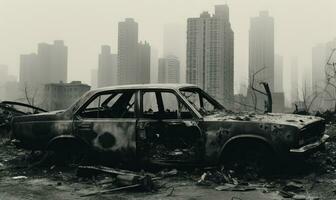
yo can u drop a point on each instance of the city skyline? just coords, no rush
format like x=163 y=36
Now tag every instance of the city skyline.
x=91 y=31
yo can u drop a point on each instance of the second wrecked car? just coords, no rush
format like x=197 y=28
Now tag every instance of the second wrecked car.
x=166 y=124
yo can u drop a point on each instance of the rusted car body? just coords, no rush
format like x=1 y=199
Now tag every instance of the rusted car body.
x=164 y=124
x=10 y=109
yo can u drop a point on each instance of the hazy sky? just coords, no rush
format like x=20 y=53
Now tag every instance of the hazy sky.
x=85 y=25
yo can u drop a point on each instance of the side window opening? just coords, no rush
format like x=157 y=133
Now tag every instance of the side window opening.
x=112 y=105
x=200 y=102
x=163 y=105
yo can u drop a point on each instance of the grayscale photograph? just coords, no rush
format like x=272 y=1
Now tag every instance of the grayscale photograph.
x=167 y=99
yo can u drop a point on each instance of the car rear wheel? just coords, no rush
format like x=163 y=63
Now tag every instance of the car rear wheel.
x=68 y=152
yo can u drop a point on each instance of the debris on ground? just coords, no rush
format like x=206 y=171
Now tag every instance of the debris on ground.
x=293 y=187
x=124 y=179
x=217 y=177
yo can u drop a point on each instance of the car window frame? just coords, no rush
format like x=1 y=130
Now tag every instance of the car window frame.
x=179 y=99
x=202 y=93
x=93 y=97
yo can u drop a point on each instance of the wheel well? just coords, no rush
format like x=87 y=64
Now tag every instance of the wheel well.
x=245 y=143
x=65 y=143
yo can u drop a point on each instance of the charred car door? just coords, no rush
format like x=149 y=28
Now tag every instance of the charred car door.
x=107 y=123
x=167 y=130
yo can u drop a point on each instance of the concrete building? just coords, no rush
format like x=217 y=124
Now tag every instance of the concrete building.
x=319 y=59
x=49 y=65
x=174 y=41
x=154 y=65
x=278 y=76
x=94 y=78
x=210 y=54
x=143 y=63
x=323 y=57
x=61 y=95
x=13 y=91
x=294 y=80
x=52 y=62
x=3 y=80
x=261 y=49
x=127 y=51
x=169 y=70
x=107 y=67
x=29 y=69
x=278 y=99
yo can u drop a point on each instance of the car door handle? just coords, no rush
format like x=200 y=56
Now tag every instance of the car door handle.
x=176 y=123
x=85 y=126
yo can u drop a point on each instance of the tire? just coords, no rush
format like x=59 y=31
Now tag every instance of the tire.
x=65 y=152
x=249 y=157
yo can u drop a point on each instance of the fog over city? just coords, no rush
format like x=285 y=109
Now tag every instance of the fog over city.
x=85 y=25
x=167 y=99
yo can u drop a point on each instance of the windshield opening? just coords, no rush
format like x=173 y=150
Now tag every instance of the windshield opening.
x=201 y=101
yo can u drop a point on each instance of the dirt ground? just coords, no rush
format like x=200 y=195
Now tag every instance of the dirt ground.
x=315 y=177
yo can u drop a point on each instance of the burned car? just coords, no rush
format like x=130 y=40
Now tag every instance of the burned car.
x=10 y=109
x=166 y=124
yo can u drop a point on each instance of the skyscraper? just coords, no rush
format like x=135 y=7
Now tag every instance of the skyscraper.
x=174 y=41
x=29 y=69
x=319 y=59
x=261 y=50
x=323 y=59
x=143 y=63
x=278 y=69
x=169 y=70
x=154 y=65
x=3 y=80
x=127 y=51
x=294 y=80
x=53 y=62
x=107 y=67
x=49 y=65
x=210 y=54
x=94 y=78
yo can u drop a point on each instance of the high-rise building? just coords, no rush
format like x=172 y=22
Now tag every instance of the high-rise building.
x=127 y=51
x=278 y=69
x=323 y=59
x=3 y=80
x=107 y=67
x=169 y=70
x=294 y=80
x=319 y=59
x=174 y=41
x=49 y=65
x=143 y=63
x=154 y=65
x=94 y=78
x=29 y=69
x=261 y=50
x=53 y=62
x=210 y=63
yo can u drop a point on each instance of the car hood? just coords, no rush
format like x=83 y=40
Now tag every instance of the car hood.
x=52 y=115
x=298 y=121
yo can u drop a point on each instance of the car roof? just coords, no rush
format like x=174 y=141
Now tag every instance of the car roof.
x=146 y=86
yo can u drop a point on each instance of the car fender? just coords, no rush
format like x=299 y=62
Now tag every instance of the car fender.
x=66 y=139
x=246 y=136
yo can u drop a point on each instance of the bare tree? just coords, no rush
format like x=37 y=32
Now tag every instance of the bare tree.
x=309 y=99
x=267 y=92
x=32 y=95
x=330 y=73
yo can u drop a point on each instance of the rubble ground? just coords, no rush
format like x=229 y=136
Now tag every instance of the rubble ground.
x=314 y=178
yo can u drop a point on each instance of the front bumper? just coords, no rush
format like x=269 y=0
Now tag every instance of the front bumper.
x=310 y=148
